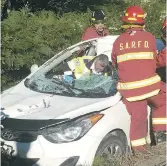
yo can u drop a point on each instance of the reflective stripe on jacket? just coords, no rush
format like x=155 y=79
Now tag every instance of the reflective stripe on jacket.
x=159 y=120
x=138 y=142
x=78 y=65
x=134 y=54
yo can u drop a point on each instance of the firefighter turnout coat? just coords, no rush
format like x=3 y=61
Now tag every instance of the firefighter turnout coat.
x=161 y=58
x=91 y=33
x=134 y=54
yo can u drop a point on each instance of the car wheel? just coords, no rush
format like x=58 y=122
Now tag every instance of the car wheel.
x=111 y=146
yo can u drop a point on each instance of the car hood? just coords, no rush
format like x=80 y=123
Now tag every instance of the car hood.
x=23 y=103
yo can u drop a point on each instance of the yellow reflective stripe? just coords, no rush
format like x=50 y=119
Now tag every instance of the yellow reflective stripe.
x=131 y=26
x=86 y=70
x=138 y=142
x=126 y=14
x=159 y=120
x=105 y=74
x=140 y=15
x=71 y=65
x=132 y=19
x=88 y=57
x=147 y=95
x=138 y=84
x=77 y=75
x=78 y=66
x=132 y=56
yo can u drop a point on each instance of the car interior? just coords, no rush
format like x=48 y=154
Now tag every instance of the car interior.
x=85 y=50
x=52 y=81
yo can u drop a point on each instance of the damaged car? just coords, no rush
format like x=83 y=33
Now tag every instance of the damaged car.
x=51 y=120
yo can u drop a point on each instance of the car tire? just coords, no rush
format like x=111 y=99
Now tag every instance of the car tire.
x=111 y=141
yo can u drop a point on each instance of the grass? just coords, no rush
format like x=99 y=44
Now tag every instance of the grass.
x=156 y=157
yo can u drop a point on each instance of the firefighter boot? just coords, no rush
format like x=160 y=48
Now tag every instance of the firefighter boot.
x=160 y=136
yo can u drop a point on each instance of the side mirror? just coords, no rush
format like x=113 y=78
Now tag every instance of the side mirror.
x=34 y=68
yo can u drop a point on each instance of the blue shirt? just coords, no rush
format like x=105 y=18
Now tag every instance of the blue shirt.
x=160 y=45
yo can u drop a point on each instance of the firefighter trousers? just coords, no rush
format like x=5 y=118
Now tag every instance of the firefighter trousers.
x=138 y=113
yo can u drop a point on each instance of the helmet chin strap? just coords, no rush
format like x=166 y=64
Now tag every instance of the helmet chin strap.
x=101 y=33
x=132 y=26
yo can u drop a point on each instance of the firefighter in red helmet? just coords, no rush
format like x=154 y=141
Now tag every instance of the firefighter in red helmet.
x=97 y=28
x=134 y=56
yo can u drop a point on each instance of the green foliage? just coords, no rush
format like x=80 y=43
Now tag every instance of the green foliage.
x=58 y=6
x=156 y=12
x=29 y=38
x=2 y=3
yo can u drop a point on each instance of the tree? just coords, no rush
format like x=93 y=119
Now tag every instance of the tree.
x=29 y=38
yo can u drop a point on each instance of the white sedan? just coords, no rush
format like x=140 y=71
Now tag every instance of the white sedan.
x=50 y=122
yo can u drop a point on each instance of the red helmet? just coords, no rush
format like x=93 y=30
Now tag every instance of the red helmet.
x=134 y=14
x=164 y=24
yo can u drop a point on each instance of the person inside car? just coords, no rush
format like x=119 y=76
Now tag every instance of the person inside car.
x=99 y=65
x=97 y=28
x=96 y=65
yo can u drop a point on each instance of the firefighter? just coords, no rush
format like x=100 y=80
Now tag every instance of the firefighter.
x=161 y=57
x=97 y=28
x=161 y=43
x=89 y=64
x=134 y=56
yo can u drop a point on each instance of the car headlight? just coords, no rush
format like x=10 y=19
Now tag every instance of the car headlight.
x=71 y=131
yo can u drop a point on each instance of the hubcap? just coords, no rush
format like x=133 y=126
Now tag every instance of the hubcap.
x=113 y=150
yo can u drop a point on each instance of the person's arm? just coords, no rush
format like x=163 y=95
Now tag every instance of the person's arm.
x=114 y=63
x=89 y=33
x=161 y=58
x=159 y=44
x=113 y=57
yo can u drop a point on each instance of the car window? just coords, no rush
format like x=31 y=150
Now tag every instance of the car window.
x=52 y=80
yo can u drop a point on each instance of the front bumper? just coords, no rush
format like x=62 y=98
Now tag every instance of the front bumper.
x=44 y=153
x=17 y=161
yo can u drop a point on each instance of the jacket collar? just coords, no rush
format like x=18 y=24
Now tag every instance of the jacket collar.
x=135 y=29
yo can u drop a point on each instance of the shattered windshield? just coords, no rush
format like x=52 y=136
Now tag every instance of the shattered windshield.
x=88 y=86
x=92 y=86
